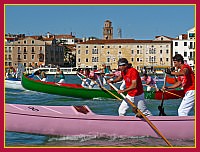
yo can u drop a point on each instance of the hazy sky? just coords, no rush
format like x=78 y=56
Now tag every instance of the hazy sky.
x=135 y=21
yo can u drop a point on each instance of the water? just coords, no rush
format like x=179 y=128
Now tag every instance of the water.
x=99 y=106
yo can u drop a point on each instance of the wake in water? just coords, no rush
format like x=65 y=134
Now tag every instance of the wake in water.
x=113 y=141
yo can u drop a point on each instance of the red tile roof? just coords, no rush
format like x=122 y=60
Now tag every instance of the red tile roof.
x=120 y=41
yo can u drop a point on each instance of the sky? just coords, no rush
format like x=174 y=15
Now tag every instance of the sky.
x=140 y=22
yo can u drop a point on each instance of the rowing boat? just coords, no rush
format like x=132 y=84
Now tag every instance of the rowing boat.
x=77 y=91
x=80 y=120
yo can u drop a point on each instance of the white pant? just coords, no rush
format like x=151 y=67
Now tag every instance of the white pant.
x=123 y=85
x=62 y=81
x=139 y=101
x=150 y=87
x=187 y=103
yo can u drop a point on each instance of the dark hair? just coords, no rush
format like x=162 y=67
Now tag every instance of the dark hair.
x=129 y=65
x=122 y=61
x=179 y=58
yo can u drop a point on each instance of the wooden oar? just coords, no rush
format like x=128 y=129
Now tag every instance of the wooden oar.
x=38 y=77
x=166 y=91
x=102 y=87
x=146 y=119
x=160 y=107
x=173 y=94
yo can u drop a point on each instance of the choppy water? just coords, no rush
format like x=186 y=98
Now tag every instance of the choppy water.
x=99 y=106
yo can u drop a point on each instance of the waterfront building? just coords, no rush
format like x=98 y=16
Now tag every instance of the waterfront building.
x=33 y=51
x=147 y=54
x=185 y=45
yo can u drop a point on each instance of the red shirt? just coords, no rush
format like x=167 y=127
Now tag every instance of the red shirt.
x=133 y=74
x=188 y=81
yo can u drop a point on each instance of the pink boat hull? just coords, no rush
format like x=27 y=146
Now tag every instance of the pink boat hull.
x=66 y=120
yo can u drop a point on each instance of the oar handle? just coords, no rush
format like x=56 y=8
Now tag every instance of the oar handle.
x=147 y=120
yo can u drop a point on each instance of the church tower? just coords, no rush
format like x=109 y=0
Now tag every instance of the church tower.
x=107 y=30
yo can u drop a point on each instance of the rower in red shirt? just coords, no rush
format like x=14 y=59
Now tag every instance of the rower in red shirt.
x=134 y=88
x=186 y=79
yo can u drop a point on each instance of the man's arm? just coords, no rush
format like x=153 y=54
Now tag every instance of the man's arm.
x=119 y=78
x=132 y=86
x=180 y=73
x=175 y=85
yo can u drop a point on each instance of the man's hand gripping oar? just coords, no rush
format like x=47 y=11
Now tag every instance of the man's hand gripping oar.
x=146 y=119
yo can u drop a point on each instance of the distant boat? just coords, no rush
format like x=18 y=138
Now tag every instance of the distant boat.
x=77 y=91
x=80 y=120
x=13 y=83
x=52 y=71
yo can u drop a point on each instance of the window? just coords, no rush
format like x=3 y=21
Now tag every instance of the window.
x=160 y=59
x=102 y=46
x=79 y=51
x=32 y=57
x=18 y=49
x=176 y=43
x=167 y=51
x=138 y=59
x=120 y=46
x=185 y=54
x=18 y=57
x=108 y=46
x=132 y=59
x=108 y=52
x=86 y=51
x=32 y=49
x=95 y=51
x=191 y=45
x=24 y=41
x=191 y=34
x=33 y=41
x=86 y=46
x=25 y=50
x=185 y=43
x=108 y=59
x=160 y=51
x=86 y=60
x=79 y=60
x=138 y=51
x=94 y=59
x=132 y=51
x=167 y=59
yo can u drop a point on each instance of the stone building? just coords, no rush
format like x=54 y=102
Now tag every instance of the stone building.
x=33 y=51
x=155 y=53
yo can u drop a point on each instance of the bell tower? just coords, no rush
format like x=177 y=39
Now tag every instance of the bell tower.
x=107 y=30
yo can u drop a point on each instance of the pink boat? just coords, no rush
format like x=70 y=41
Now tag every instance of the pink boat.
x=80 y=120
